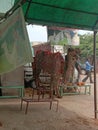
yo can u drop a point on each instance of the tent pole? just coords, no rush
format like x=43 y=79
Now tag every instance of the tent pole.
x=95 y=90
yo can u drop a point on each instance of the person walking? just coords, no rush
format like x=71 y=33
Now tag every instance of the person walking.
x=88 y=71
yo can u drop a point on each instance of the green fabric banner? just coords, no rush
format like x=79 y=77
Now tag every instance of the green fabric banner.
x=15 y=47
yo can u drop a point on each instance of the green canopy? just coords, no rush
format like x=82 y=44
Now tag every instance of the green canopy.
x=81 y=14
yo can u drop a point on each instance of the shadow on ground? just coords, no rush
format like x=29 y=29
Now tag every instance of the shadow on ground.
x=39 y=117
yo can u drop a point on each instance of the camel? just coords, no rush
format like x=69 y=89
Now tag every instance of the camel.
x=51 y=63
x=70 y=60
x=54 y=64
x=70 y=70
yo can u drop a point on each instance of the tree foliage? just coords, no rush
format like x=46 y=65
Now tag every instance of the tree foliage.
x=86 y=44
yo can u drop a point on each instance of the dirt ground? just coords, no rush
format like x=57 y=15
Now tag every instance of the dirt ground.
x=75 y=112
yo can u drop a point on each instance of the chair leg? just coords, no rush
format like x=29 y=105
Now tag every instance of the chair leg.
x=21 y=104
x=39 y=93
x=57 y=105
x=50 y=104
x=26 y=107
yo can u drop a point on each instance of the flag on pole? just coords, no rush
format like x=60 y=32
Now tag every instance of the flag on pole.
x=15 y=49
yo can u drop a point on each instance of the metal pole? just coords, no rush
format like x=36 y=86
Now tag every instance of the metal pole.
x=0 y=88
x=95 y=90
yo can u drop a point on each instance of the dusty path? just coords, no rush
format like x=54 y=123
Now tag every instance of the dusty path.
x=75 y=112
x=39 y=116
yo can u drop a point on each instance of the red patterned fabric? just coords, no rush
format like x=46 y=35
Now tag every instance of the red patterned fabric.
x=52 y=63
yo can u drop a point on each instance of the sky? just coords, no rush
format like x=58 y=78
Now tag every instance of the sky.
x=82 y=32
x=39 y=33
x=5 y=5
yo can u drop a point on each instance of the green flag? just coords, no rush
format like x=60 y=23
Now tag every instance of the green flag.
x=15 y=47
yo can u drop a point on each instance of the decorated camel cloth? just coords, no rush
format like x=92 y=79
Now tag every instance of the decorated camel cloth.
x=51 y=63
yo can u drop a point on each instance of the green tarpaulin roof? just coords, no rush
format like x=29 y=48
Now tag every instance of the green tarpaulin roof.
x=82 y=14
